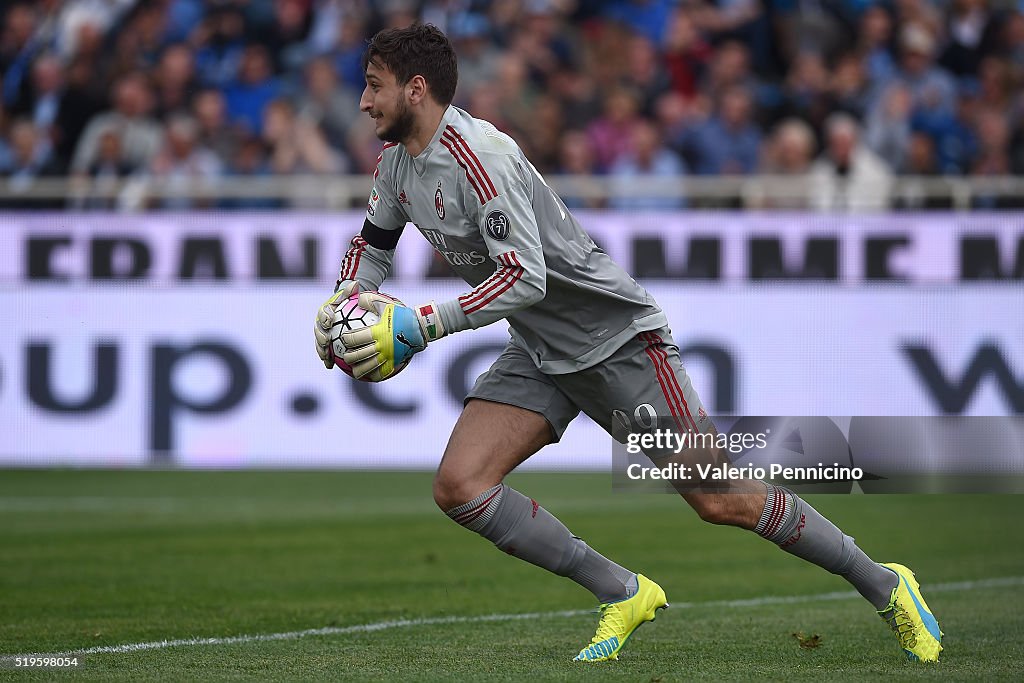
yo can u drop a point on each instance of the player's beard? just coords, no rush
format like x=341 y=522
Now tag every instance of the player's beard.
x=402 y=127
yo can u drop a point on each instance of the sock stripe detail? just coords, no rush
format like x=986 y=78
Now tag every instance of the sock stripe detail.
x=769 y=509
x=784 y=509
x=478 y=511
x=776 y=512
x=470 y=515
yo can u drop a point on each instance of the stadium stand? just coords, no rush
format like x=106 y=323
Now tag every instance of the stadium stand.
x=923 y=98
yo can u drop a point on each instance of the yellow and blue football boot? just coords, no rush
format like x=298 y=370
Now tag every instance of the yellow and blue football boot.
x=620 y=619
x=910 y=619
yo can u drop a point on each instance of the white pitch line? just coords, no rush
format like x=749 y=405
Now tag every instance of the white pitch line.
x=954 y=587
x=295 y=635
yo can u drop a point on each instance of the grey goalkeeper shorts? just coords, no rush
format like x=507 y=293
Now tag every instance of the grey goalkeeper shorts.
x=642 y=380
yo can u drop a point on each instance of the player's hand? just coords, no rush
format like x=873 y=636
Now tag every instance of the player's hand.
x=325 y=318
x=393 y=340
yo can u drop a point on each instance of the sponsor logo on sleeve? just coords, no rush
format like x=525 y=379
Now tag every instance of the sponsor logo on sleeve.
x=497 y=225
x=371 y=207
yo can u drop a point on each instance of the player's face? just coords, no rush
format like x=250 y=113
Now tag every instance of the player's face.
x=385 y=101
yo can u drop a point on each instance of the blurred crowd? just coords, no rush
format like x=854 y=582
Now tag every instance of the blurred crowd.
x=844 y=93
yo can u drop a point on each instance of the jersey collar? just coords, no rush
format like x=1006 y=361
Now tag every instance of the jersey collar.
x=419 y=163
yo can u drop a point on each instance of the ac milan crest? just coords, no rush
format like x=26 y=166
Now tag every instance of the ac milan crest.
x=439 y=201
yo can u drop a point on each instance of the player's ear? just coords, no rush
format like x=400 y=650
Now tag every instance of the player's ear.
x=416 y=89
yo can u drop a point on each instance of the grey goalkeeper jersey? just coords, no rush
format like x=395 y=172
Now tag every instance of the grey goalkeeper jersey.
x=481 y=204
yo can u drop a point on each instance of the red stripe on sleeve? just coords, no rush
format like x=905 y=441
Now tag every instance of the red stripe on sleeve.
x=498 y=274
x=510 y=263
x=380 y=158
x=483 y=295
x=470 y=176
x=488 y=185
x=505 y=286
x=472 y=167
x=517 y=273
x=350 y=264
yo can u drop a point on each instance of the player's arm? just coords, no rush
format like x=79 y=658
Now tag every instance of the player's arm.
x=368 y=260
x=501 y=194
x=503 y=210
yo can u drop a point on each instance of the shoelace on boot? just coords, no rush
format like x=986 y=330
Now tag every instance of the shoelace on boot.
x=903 y=626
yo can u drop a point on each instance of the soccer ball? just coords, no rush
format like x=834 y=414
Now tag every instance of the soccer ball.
x=348 y=317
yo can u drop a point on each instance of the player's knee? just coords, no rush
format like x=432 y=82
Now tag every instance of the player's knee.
x=452 y=490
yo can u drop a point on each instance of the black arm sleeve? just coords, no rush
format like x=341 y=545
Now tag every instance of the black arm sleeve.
x=386 y=240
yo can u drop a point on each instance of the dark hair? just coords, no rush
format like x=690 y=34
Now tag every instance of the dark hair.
x=419 y=49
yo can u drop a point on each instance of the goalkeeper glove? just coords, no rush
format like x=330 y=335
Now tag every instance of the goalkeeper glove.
x=388 y=345
x=325 y=318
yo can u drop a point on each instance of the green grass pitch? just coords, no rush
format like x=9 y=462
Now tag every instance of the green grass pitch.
x=93 y=559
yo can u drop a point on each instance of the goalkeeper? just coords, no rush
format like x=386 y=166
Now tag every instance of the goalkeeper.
x=585 y=337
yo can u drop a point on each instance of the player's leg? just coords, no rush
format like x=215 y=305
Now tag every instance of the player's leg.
x=647 y=370
x=512 y=412
x=791 y=523
x=489 y=441
x=785 y=519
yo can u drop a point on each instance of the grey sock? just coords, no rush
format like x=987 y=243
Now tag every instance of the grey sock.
x=519 y=526
x=796 y=527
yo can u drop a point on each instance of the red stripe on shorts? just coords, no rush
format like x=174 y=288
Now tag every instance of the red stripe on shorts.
x=674 y=380
x=664 y=387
